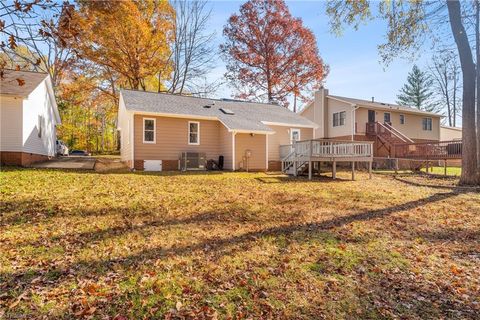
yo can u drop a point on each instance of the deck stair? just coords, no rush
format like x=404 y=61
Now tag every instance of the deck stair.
x=299 y=157
x=386 y=136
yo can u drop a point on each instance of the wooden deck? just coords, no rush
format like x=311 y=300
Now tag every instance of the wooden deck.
x=443 y=150
x=307 y=154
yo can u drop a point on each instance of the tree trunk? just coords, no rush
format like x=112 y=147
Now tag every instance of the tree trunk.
x=469 y=153
x=455 y=98
x=477 y=47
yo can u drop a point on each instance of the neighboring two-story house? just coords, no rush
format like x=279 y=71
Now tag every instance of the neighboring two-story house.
x=345 y=118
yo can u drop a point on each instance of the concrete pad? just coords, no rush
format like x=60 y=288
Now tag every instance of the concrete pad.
x=72 y=162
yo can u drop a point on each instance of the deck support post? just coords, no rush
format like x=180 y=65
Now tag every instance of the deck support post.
x=427 y=167
x=334 y=169
x=318 y=168
x=310 y=163
x=445 y=167
x=369 y=169
x=353 y=170
x=295 y=173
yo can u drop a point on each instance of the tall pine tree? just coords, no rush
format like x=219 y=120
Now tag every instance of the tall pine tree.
x=417 y=91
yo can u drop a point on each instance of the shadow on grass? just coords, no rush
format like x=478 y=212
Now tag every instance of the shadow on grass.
x=436 y=186
x=218 y=246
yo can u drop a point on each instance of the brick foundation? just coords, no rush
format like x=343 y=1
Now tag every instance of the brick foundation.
x=274 y=166
x=21 y=158
x=170 y=165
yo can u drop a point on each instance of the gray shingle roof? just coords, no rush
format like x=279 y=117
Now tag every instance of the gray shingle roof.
x=248 y=116
x=20 y=83
x=384 y=106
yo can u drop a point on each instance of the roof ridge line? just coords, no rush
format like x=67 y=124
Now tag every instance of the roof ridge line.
x=216 y=99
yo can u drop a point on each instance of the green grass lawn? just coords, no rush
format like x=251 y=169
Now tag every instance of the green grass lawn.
x=451 y=171
x=236 y=246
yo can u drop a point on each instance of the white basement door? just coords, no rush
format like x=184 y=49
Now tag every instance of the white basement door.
x=152 y=165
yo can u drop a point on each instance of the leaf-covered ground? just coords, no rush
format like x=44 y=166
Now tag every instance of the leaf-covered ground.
x=236 y=245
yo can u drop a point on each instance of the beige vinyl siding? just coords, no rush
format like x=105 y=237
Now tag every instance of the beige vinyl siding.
x=256 y=144
x=282 y=137
x=225 y=141
x=412 y=127
x=11 y=124
x=308 y=111
x=171 y=138
x=335 y=106
x=450 y=133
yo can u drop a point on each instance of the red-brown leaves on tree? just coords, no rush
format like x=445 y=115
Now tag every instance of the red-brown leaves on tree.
x=12 y=42
x=270 y=54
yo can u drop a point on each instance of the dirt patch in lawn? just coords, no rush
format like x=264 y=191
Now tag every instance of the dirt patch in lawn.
x=236 y=245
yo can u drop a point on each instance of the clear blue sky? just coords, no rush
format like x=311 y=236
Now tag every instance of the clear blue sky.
x=353 y=58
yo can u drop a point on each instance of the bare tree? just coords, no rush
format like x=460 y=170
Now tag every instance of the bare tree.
x=192 y=52
x=33 y=40
x=445 y=72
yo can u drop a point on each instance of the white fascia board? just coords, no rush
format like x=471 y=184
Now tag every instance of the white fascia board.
x=281 y=124
x=251 y=131
x=344 y=101
x=306 y=108
x=53 y=101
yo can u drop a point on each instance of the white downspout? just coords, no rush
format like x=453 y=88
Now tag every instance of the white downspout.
x=266 y=152
x=233 y=150
x=355 y=107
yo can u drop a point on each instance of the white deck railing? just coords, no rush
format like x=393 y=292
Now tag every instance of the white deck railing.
x=327 y=148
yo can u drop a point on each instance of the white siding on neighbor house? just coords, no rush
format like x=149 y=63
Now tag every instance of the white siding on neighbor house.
x=450 y=133
x=38 y=104
x=125 y=123
x=10 y=124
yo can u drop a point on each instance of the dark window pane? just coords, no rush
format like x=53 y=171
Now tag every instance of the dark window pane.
x=149 y=136
x=149 y=125
x=194 y=127
x=193 y=138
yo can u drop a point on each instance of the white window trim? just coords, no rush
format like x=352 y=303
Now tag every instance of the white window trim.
x=198 y=134
x=154 y=131
x=292 y=130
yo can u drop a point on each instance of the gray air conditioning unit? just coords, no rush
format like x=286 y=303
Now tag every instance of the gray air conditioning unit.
x=193 y=161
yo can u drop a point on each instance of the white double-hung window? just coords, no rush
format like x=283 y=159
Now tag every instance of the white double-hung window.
x=194 y=132
x=339 y=118
x=149 y=130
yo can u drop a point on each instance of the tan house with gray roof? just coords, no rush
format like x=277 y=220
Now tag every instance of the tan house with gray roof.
x=164 y=131
x=355 y=119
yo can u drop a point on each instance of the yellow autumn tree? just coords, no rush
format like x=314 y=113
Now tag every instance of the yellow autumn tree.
x=129 y=37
